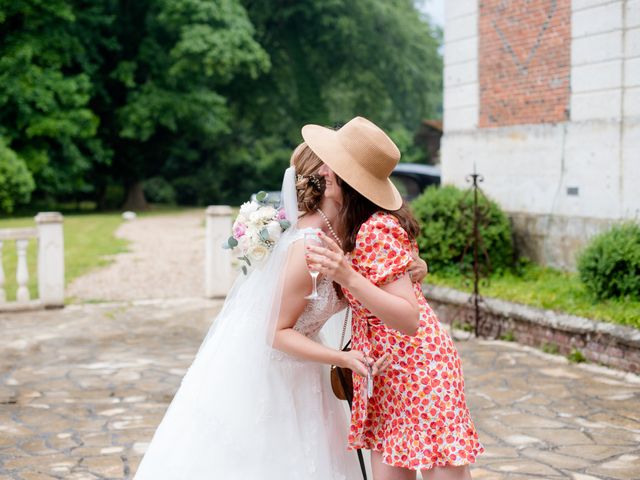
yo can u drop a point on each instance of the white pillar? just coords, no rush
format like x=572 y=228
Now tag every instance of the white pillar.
x=50 y=259
x=218 y=271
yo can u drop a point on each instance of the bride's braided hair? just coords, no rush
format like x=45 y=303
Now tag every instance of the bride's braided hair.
x=309 y=185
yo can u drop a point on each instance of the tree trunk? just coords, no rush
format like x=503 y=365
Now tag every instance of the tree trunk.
x=135 y=198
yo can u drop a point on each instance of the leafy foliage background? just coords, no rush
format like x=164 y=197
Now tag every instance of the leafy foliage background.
x=98 y=96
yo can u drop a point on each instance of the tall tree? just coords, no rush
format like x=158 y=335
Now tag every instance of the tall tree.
x=208 y=94
x=336 y=57
x=161 y=103
x=332 y=60
x=45 y=122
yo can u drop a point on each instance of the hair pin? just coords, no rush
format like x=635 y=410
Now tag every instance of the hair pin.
x=314 y=180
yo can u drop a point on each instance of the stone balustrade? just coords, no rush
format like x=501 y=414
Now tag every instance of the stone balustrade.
x=49 y=235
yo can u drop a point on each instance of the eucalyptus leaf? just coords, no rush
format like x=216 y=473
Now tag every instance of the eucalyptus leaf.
x=284 y=224
x=262 y=196
x=264 y=234
x=232 y=242
x=244 y=269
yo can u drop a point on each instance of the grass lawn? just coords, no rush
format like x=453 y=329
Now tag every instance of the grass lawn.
x=550 y=289
x=88 y=241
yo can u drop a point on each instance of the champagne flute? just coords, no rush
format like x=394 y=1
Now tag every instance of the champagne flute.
x=313 y=239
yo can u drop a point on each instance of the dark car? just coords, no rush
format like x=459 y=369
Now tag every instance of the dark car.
x=412 y=178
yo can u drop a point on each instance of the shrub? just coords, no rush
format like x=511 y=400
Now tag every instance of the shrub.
x=446 y=227
x=16 y=183
x=158 y=190
x=610 y=265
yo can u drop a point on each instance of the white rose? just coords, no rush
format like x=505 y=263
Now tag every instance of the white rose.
x=258 y=253
x=253 y=233
x=263 y=215
x=247 y=208
x=274 y=230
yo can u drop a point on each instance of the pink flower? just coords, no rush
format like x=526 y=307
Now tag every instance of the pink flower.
x=281 y=215
x=239 y=229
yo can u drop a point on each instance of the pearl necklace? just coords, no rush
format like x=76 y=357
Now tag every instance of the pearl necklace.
x=326 y=220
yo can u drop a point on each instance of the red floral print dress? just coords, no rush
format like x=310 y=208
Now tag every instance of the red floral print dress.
x=417 y=417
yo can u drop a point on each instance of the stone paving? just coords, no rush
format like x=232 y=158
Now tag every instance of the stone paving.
x=82 y=390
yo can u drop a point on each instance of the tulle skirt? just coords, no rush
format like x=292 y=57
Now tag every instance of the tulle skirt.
x=290 y=426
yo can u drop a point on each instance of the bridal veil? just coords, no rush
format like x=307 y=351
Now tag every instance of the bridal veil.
x=231 y=418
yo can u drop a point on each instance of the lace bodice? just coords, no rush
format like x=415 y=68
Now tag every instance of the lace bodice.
x=317 y=312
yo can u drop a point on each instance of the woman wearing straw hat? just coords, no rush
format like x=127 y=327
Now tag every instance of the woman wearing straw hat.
x=252 y=404
x=414 y=417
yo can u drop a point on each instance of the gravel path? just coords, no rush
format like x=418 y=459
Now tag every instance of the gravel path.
x=165 y=260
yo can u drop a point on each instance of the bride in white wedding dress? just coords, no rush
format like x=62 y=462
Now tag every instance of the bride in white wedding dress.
x=256 y=402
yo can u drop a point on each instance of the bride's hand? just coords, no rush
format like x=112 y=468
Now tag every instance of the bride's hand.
x=330 y=261
x=356 y=361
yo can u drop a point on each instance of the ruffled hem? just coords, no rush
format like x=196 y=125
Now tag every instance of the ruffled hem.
x=414 y=448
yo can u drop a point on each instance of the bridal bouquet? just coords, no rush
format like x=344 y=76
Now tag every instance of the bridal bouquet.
x=256 y=231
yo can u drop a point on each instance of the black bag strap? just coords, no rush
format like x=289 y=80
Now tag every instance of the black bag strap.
x=343 y=382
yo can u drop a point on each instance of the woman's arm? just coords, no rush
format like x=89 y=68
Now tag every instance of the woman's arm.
x=394 y=303
x=297 y=283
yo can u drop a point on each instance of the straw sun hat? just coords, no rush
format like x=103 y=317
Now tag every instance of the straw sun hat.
x=362 y=155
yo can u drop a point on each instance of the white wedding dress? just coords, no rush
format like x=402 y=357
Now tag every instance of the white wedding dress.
x=247 y=411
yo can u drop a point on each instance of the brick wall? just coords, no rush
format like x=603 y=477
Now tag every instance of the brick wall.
x=524 y=61
x=562 y=176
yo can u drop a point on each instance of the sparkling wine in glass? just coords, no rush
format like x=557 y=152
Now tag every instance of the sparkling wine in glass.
x=312 y=239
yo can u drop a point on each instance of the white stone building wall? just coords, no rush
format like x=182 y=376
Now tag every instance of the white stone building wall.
x=534 y=170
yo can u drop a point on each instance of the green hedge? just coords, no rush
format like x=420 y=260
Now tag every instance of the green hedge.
x=610 y=265
x=445 y=216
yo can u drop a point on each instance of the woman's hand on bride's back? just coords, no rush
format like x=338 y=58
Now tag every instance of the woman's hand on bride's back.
x=418 y=268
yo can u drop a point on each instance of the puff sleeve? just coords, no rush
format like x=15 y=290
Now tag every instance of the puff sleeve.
x=383 y=249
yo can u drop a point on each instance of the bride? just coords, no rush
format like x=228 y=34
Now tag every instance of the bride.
x=256 y=401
